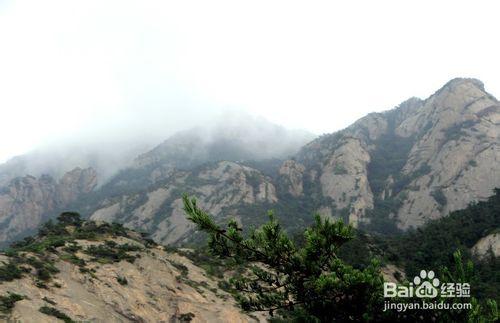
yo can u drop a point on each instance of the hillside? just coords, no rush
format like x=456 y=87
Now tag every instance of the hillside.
x=95 y=271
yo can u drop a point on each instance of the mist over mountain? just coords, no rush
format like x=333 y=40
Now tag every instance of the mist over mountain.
x=387 y=172
x=36 y=185
x=234 y=137
x=105 y=157
x=227 y=136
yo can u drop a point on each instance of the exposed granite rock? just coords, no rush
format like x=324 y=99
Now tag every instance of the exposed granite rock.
x=153 y=292
x=489 y=243
x=461 y=147
x=223 y=186
x=293 y=172
x=76 y=182
x=26 y=201
x=344 y=179
x=453 y=156
x=433 y=156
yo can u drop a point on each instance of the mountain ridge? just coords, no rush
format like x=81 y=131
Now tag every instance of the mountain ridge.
x=412 y=121
x=388 y=171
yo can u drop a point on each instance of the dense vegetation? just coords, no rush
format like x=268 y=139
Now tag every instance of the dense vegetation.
x=432 y=245
x=306 y=281
x=51 y=311
x=8 y=301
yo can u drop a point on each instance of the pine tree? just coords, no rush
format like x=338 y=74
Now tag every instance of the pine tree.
x=309 y=281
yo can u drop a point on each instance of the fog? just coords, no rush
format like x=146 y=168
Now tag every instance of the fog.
x=115 y=78
x=120 y=141
x=234 y=136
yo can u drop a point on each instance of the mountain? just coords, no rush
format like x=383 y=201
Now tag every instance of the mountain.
x=181 y=163
x=415 y=166
x=387 y=172
x=92 y=271
x=405 y=166
x=234 y=137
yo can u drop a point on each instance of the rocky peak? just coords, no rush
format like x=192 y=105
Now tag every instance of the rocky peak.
x=455 y=84
x=424 y=158
x=487 y=245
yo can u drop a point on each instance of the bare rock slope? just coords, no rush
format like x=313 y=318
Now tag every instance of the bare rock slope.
x=113 y=276
x=221 y=188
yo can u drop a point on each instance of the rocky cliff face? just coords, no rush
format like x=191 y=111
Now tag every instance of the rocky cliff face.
x=205 y=161
x=460 y=147
x=292 y=173
x=26 y=201
x=417 y=162
x=221 y=188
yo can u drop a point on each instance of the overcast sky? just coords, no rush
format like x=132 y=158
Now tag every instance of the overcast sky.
x=78 y=69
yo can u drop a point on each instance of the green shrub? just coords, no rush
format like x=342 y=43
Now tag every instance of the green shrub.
x=122 y=280
x=182 y=268
x=186 y=317
x=110 y=251
x=7 y=302
x=49 y=242
x=44 y=268
x=439 y=197
x=70 y=218
x=10 y=271
x=51 y=311
x=48 y=300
